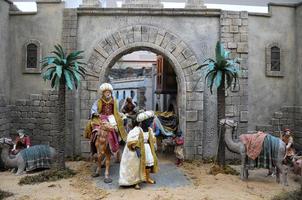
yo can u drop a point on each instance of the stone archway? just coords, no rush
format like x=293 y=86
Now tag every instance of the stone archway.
x=155 y=39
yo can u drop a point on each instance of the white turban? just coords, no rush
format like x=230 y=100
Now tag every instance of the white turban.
x=144 y=115
x=106 y=86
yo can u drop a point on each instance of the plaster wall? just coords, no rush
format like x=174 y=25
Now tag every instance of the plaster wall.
x=299 y=55
x=44 y=26
x=4 y=38
x=268 y=94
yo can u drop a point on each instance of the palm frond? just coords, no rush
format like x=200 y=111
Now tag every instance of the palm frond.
x=64 y=67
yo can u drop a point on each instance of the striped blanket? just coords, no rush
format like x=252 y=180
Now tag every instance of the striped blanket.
x=36 y=157
x=269 y=153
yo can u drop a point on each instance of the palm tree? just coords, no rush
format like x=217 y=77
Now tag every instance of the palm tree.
x=63 y=71
x=221 y=72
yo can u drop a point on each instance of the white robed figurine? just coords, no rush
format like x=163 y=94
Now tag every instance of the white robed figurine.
x=139 y=158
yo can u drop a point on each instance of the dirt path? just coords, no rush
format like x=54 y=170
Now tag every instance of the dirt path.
x=205 y=186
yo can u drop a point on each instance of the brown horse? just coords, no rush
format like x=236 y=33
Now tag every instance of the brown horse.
x=102 y=146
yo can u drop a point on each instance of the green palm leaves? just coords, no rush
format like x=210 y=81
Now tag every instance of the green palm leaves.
x=65 y=68
x=221 y=67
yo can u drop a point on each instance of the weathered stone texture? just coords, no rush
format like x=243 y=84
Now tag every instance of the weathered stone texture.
x=38 y=116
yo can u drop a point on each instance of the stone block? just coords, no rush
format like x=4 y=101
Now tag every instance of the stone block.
x=153 y=34
x=53 y=97
x=225 y=29
x=137 y=33
x=234 y=29
x=232 y=45
x=225 y=21
x=242 y=47
x=244 y=15
x=244 y=116
x=159 y=39
x=36 y=103
x=192 y=116
x=244 y=37
x=21 y=102
x=145 y=33
x=236 y=22
x=237 y=37
x=35 y=97
x=278 y=115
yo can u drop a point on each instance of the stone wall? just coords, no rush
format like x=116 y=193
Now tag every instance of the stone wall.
x=38 y=116
x=4 y=117
x=69 y=42
x=234 y=37
x=287 y=117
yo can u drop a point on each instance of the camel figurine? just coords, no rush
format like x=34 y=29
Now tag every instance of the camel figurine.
x=239 y=147
x=20 y=160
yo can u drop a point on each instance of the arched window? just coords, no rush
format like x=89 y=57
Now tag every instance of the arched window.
x=32 y=56
x=124 y=94
x=32 y=59
x=117 y=95
x=274 y=56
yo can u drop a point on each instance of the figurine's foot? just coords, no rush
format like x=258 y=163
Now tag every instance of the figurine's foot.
x=137 y=187
x=150 y=181
x=107 y=180
x=95 y=175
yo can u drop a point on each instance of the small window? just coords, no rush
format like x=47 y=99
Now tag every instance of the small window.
x=275 y=59
x=124 y=94
x=274 y=56
x=32 y=56
x=117 y=95
x=132 y=94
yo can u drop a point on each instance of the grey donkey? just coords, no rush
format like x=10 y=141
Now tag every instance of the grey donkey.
x=17 y=161
x=239 y=147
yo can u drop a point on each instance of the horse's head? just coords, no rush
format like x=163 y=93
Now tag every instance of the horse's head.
x=229 y=122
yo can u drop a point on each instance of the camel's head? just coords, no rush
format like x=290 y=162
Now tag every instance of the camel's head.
x=6 y=141
x=229 y=122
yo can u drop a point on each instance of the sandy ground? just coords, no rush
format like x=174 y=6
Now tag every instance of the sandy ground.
x=204 y=187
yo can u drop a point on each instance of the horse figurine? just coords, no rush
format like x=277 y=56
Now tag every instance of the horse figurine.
x=105 y=142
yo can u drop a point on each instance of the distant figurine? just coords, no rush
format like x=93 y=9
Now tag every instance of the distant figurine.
x=179 y=149
x=22 y=142
x=287 y=138
x=128 y=106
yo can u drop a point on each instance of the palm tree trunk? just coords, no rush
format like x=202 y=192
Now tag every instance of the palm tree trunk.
x=221 y=115
x=61 y=118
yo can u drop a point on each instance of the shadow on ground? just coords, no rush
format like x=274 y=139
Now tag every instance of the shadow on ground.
x=168 y=176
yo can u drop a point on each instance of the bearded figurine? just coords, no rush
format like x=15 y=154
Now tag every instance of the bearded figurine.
x=139 y=158
x=106 y=107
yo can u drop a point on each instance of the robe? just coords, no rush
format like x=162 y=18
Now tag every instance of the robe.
x=132 y=168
